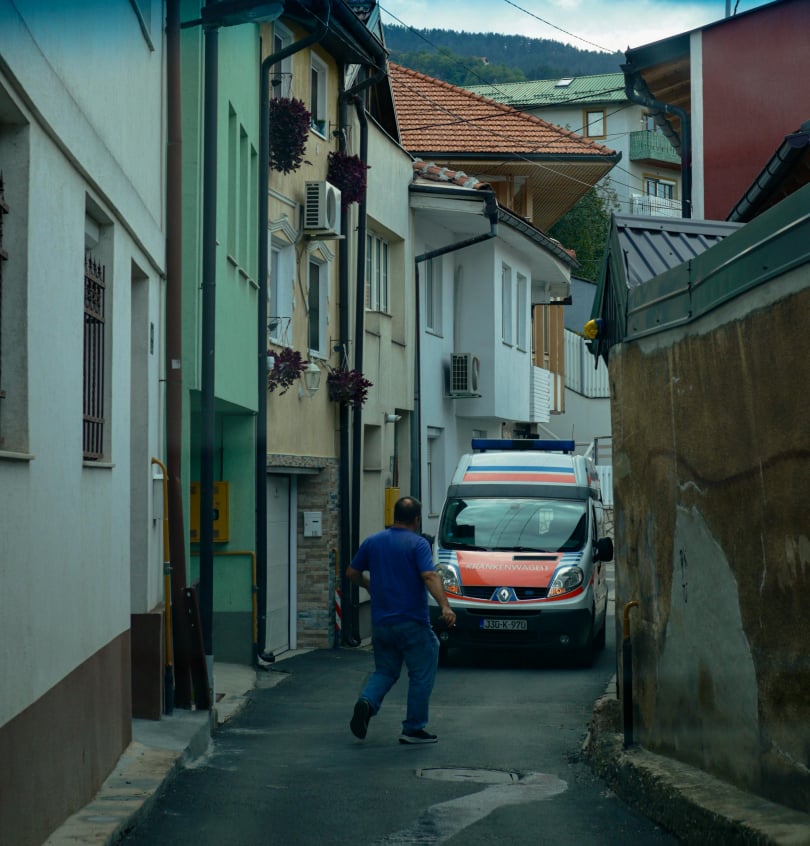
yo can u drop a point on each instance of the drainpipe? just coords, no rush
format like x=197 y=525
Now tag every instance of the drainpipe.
x=264 y=243
x=416 y=440
x=637 y=92
x=352 y=485
x=349 y=591
x=174 y=355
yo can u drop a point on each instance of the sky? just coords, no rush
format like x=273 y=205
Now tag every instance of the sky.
x=613 y=25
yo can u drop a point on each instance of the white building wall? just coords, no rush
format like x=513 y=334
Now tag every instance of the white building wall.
x=388 y=351
x=89 y=87
x=472 y=322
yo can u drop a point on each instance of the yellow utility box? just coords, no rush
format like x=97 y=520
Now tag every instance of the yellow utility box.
x=391 y=496
x=222 y=524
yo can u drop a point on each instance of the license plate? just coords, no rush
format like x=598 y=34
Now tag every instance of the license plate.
x=505 y=625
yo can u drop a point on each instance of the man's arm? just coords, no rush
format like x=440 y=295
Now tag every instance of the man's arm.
x=434 y=584
x=359 y=578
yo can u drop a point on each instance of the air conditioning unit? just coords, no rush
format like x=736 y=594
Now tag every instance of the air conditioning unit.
x=322 y=209
x=464 y=372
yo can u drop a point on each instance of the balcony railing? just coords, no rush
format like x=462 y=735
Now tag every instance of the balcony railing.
x=647 y=146
x=656 y=206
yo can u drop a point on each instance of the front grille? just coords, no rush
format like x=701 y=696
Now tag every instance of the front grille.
x=487 y=592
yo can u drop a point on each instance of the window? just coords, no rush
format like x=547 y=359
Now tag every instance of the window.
x=648 y=123
x=662 y=188
x=97 y=346
x=280 y=294
x=242 y=208
x=317 y=304
x=594 y=123
x=317 y=95
x=433 y=296
x=376 y=273
x=522 y=311
x=281 y=73
x=14 y=276
x=506 y=304
x=94 y=354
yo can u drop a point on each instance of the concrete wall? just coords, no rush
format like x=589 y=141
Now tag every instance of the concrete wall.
x=711 y=463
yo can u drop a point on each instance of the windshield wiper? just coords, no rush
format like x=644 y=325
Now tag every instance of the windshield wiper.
x=448 y=544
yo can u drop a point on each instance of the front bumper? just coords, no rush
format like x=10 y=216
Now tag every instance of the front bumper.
x=552 y=626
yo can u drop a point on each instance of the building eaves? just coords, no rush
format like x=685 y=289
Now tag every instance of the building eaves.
x=431 y=175
x=552 y=245
x=348 y=37
x=787 y=171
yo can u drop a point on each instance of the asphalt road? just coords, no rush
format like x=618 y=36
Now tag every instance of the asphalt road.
x=507 y=767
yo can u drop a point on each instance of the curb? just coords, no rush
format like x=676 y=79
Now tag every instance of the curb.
x=695 y=806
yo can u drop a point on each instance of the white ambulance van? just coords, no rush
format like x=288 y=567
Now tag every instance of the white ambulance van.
x=520 y=550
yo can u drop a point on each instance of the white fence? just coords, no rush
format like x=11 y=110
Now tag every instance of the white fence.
x=584 y=374
x=540 y=395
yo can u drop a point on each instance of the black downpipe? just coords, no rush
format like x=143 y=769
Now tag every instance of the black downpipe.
x=359 y=336
x=174 y=356
x=637 y=92
x=207 y=380
x=349 y=592
x=416 y=428
x=261 y=413
x=416 y=432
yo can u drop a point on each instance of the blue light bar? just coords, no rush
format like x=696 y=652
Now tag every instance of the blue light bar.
x=500 y=444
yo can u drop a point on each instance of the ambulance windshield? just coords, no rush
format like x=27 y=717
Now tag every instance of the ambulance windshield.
x=531 y=525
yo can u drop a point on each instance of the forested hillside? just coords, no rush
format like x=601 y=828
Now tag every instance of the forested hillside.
x=470 y=58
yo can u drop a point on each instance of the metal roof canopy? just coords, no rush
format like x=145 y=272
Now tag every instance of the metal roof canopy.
x=751 y=255
x=652 y=245
x=639 y=249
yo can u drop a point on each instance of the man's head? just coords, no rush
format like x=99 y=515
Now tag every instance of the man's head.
x=408 y=512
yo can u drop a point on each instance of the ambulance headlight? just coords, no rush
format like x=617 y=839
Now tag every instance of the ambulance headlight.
x=449 y=576
x=565 y=580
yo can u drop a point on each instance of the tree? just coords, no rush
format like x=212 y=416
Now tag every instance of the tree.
x=586 y=226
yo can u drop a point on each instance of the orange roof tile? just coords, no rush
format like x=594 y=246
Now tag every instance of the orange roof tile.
x=435 y=116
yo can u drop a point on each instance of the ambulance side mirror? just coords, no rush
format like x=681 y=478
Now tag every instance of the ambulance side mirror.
x=604 y=549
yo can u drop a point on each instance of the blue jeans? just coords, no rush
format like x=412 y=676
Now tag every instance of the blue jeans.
x=416 y=645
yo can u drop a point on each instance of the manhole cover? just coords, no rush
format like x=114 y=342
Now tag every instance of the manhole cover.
x=476 y=776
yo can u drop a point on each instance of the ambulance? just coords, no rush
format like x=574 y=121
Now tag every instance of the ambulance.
x=520 y=551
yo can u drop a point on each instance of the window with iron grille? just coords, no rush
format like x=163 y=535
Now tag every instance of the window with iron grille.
x=94 y=360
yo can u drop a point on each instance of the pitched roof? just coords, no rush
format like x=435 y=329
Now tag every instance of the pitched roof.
x=577 y=90
x=436 y=117
x=501 y=145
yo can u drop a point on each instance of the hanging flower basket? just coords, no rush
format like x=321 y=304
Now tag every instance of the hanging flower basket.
x=348 y=174
x=287 y=367
x=348 y=387
x=289 y=130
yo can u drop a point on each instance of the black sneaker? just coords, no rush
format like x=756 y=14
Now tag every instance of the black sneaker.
x=360 y=718
x=417 y=736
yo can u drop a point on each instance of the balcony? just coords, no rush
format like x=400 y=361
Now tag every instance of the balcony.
x=653 y=147
x=656 y=206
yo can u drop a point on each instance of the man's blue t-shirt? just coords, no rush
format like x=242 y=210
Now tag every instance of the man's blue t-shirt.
x=395 y=559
